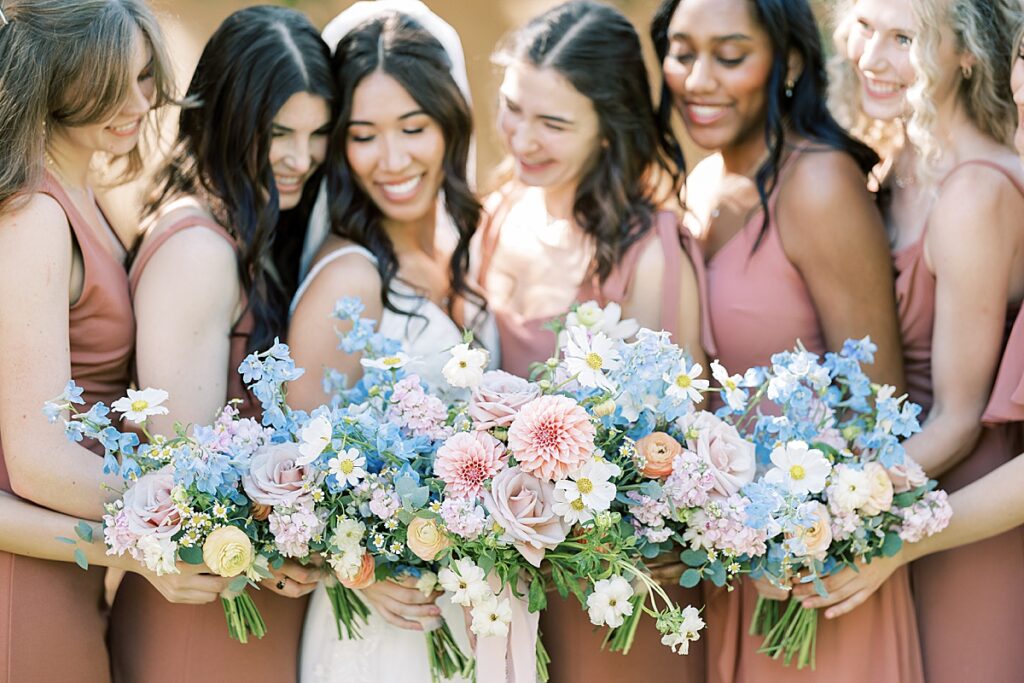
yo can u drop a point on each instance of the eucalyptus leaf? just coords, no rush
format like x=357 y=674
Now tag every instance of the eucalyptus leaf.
x=690 y=578
x=191 y=555
x=892 y=544
x=84 y=531
x=65 y=539
x=80 y=559
x=716 y=572
x=650 y=551
x=694 y=558
x=238 y=584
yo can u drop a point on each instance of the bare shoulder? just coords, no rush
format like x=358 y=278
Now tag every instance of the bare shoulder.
x=821 y=176
x=40 y=220
x=980 y=199
x=351 y=274
x=197 y=248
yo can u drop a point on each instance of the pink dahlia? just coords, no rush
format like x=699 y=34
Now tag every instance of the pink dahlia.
x=551 y=437
x=467 y=460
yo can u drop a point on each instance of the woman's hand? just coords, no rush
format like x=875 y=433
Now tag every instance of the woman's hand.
x=293 y=580
x=401 y=604
x=848 y=589
x=769 y=591
x=192 y=586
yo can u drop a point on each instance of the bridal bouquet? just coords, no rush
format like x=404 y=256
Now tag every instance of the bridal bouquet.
x=839 y=488
x=183 y=499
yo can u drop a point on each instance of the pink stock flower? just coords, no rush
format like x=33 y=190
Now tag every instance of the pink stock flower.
x=498 y=397
x=417 y=411
x=294 y=528
x=116 y=534
x=691 y=481
x=926 y=517
x=148 y=508
x=731 y=457
x=275 y=478
x=383 y=503
x=467 y=460
x=551 y=437
x=463 y=517
x=907 y=476
x=522 y=505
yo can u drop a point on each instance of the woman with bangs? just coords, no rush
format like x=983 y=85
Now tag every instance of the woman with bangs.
x=590 y=213
x=955 y=194
x=748 y=79
x=401 y=218
x=211 y=283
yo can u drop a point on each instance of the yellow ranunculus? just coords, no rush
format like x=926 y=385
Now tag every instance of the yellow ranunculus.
x=228 y=551
x=426 y=539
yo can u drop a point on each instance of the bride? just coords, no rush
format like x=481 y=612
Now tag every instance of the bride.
x=398 y=150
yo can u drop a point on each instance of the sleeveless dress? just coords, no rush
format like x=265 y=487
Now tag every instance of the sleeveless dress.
x=52 y=618
x=760 y=305
x=385 y=652
x=574 y=644
x=970 y=600
x=157 y=641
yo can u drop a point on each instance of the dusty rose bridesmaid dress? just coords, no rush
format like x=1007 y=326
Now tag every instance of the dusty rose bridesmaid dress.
x=156 y=641
x=759 y=305
x=572 y=641
x=970 y=600
x=53 y=622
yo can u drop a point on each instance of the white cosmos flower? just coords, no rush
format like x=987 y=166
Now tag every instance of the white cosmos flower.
x=466 y=582
x=572 y=511
x=466 y=367
x=683 y=384
x=314 y=437
x=799 y=468
x=590 y=485
x=610 y=604
x=491 y=618
x=732 y=385
x=347 y=467
x=607 y=320
x=589 y=357
x=394 y=362
x=141 y=403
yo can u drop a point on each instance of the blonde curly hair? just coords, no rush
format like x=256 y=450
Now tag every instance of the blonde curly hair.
x=983 y=29
x=844 y=90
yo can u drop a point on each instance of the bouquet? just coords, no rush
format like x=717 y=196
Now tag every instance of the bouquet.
x=183 y=499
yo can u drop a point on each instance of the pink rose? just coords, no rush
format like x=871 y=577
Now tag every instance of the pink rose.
x=523 y=506
x=274 y=476
x=499 y=396
x=907 y=476
x=148 y=508
x=551 y=437
x=880 y=490
x=732 y=458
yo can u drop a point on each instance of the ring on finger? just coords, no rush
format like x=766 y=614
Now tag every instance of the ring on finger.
x=281 y=584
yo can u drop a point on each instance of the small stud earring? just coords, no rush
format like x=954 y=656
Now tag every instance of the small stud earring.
x=790 y=84
x=967 y=71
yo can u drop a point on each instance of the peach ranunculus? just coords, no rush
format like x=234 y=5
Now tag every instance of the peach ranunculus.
x=149 y=509
x=658 y=450
x=551 y=437
x=880 y=489
x=364 y=577
x=907 y=476
x=498 y=398
x=523 y=506
x=732 y=459
x=275 y=478
x=425 y=538
x=818 y=537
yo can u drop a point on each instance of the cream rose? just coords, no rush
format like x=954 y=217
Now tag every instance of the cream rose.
x=907 y=476
x=228 y=551
x=148 y=506
x=880 y=489
x=275 y=478
x=732 y=458
x=425 y=538
x=498 y=397
x=818 y=537
x=522 y=505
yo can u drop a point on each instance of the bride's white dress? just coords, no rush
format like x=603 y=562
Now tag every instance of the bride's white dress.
x=387 y=653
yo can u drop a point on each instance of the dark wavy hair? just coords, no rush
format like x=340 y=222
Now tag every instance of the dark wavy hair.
x=598 y=51
x=395 y=44
x=255 y=61
x=791 y=27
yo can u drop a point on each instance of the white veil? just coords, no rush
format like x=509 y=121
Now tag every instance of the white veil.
x=338 y=28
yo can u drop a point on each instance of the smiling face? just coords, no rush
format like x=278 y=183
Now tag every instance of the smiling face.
x=298 y=145
x=880 y=36
x=550 y=128
x=717 y=70
x=1017 y=84
x=119 y=133
x=396 y=151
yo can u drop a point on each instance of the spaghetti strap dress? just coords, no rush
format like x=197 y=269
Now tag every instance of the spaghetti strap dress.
x=575 y=645
x=759 y=305
x=970 y=600
x=53 y=621
x=157 y=641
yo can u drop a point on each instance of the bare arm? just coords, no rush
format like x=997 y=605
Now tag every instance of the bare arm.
x=35 y=271
x=843 y=256
x=312 y=334
x=185 y=306
x=970 y=246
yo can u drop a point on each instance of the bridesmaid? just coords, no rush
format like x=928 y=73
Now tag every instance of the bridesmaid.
x=401 y=143
x=748 y=80
x=77 y=81
x=956 y=296
x=211 y=282
x=588 y=214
